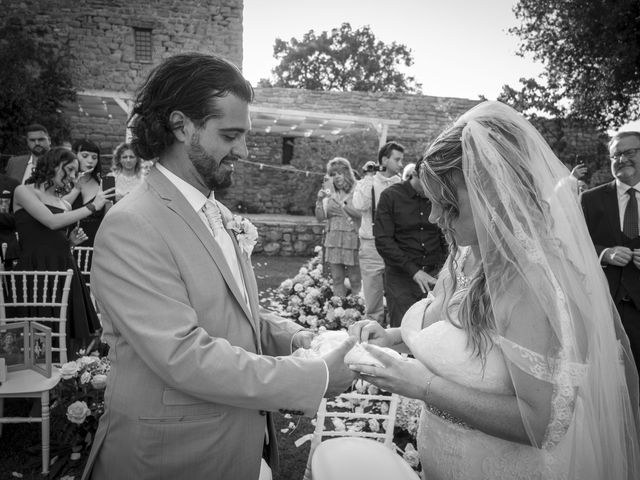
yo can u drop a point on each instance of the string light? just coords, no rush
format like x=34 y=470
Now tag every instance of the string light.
x=277 y=167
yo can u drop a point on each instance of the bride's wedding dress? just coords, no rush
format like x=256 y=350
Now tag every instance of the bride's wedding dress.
x=450 y=449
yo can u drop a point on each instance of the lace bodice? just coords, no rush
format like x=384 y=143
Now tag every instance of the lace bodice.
x=443 y=348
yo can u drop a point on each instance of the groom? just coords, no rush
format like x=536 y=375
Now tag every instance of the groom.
x=197 y=365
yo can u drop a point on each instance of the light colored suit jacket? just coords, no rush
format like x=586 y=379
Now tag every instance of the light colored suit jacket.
x=16 y=166
x=192 y=373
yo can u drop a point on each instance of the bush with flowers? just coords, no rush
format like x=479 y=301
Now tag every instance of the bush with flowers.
x=308 y=299
x=78 y=403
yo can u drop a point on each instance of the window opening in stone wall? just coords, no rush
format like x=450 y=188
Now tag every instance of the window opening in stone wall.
x=287 y=150
x=142 y=37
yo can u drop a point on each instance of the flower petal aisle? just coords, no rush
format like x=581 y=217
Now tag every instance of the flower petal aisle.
x=308 y=299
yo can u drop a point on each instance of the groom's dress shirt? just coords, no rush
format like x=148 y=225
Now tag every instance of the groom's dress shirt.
x=197 y=200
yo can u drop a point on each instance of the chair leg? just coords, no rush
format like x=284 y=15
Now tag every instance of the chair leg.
x=45 y=432
x=1 y=413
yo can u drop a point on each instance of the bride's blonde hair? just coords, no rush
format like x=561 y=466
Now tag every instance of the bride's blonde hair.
x=440 y=174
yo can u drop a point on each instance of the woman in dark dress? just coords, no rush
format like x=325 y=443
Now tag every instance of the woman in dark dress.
x=88 y=185
x=42 y=218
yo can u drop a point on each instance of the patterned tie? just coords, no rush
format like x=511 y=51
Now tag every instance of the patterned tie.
x=630 y=221
x=214 y=217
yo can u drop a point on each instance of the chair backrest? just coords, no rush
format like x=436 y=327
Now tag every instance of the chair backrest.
x=83 y=256
x=41 y=297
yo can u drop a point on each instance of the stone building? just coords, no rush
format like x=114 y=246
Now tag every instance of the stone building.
x=112 y=44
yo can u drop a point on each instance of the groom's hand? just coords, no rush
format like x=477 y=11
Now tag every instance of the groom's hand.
x=340 y=376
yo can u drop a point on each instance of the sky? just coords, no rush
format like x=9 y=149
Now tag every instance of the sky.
x=461 y=48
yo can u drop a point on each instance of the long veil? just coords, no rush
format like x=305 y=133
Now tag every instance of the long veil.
x=554 y=316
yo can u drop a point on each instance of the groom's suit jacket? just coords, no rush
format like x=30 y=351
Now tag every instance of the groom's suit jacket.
x=16 y=166
x=192 y=378
x=601 y=211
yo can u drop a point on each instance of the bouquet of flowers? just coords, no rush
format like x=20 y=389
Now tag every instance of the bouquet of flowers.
x=308 y=300
x=79 y=402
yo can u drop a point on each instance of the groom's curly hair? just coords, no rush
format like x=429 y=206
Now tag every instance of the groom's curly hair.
x=188 y=83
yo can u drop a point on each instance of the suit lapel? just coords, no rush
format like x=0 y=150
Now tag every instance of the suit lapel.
x=611 y=205
x=176 y=202
x=249 y=279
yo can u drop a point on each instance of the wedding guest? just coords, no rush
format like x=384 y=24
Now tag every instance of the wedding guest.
x=366 y=195
x=88 y=186
x=197 y=365
x=520 y=355
x=413 y=249
x=126 y=169
x=42 y=218
x=38 y=143
x=611 y=212
x=7 y=221
x=335 y=205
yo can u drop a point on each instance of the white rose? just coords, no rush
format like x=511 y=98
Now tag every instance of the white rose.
x=99 y=381
x=69 y=370
x=77 y=412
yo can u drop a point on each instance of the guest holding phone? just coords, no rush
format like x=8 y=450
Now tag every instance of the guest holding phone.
x=87 y=187
x=127 y=170
x=42 y=218
x=334 y=204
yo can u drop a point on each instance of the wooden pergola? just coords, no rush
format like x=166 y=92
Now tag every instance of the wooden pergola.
x=264 y=119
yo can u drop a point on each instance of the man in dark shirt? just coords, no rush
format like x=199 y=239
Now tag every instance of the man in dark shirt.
x=413 y=249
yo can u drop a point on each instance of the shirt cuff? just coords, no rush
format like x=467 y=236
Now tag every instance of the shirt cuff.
x=326 y=384
x=601 y=256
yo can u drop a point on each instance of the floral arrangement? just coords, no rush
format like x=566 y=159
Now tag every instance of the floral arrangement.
x=79 y=401
x=308 y=300
x=246 y=233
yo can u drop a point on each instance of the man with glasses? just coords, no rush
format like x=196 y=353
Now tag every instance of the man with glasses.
x=611 y=213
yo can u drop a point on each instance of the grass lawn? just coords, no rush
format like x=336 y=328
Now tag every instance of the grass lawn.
x=20 y=443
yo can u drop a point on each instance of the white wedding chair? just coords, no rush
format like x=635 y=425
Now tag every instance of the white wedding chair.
x=348 y=454
x=83 y=257
x=31 y=289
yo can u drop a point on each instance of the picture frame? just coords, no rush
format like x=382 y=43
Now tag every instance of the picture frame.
x=14 y=345
x=40 y=348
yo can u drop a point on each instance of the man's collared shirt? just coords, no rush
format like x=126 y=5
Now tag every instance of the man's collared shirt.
x=623 y=198
x=362 y=199
x=405 y=238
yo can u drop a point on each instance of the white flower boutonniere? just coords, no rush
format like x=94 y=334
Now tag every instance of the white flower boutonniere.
x=246 y=233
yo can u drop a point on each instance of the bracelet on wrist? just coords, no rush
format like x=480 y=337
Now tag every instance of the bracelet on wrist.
x=92 y=208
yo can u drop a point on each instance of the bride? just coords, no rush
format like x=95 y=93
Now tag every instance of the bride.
x=519 y=353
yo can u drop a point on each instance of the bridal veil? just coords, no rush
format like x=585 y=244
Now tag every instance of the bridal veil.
x=554 y=316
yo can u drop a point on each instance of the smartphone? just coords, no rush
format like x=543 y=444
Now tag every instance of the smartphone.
x=108 y=182
x=327 y=185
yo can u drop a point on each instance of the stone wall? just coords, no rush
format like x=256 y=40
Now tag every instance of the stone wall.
x=293 y=236
x=98 y=35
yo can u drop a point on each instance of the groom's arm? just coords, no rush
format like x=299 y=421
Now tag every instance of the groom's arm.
x=147 y=308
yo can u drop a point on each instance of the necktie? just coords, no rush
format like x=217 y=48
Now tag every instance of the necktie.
x=630 y=221
x=214 y=217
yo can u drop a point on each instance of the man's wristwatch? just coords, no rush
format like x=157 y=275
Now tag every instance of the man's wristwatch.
x=91 y=207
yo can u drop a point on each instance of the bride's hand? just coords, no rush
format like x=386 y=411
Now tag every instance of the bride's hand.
x=370 y=331
x=407 y=377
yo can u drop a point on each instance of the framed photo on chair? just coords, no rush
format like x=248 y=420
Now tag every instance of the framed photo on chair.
x=40 y=348
x=14 y=345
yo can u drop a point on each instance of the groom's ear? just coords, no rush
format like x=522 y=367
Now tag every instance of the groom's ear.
x=178 y=121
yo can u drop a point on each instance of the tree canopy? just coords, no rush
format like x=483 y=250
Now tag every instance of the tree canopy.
x=343 y=60
x=35 y=82
x=591 y=54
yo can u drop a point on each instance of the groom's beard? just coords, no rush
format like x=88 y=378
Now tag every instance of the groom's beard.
x=216 y=176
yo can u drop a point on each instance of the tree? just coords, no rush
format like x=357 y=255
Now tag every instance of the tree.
x=591 y=53
x=343 y=60
x=35 y=81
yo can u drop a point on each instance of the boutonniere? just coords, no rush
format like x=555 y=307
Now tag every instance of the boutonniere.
x=245 y=232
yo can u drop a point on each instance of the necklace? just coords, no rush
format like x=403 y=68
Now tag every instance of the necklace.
x=462 y=280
